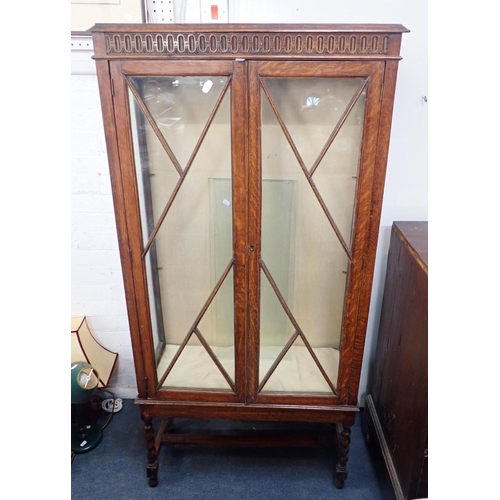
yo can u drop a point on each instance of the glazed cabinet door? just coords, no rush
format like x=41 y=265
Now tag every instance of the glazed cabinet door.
x=247 y=189
x=181 y=168
x=313 y=131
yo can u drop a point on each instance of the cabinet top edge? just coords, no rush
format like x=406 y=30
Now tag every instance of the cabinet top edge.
x=264 y=41
x=414 y=235
x=256 y=28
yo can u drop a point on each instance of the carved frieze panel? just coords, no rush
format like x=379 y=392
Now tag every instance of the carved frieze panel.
x=247 y=44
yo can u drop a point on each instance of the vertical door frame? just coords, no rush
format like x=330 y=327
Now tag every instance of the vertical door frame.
x=247 y=181
x=129 y=227
x=352 y=329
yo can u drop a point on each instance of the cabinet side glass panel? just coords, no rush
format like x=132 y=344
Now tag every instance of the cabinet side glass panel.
x=311 y=141
x=182 y=141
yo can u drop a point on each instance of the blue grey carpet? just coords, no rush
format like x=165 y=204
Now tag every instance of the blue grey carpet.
x=116 y=469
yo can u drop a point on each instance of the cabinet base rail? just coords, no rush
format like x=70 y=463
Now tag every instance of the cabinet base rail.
x=168 y=435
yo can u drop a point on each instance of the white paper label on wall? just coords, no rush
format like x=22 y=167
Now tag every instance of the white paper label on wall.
x=226 y=202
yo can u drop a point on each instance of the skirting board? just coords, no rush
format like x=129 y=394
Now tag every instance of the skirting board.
x=385 y=448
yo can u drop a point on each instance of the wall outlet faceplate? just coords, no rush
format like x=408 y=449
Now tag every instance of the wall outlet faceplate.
x=214 y=11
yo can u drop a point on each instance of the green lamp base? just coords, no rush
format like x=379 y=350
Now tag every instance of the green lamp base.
x=82 y=442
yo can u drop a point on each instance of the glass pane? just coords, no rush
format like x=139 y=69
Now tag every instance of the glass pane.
x=312 y=109
x=276 y=329
x=194 y=368
x=221 y=211
x=152 y=163
x=217 y=325
x=278 y=248
x=336 y=176
x=315 y=265
x=154 y=296
x=180 y=106
x=298 y=372
x=193 y=243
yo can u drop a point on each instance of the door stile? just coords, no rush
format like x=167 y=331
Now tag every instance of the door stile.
x=355 y=312
x=385 y=107
x=239 y=151
x=132 y=215
x=119 y=202
x=135 y=249
x=254 y=231
x=353 y=331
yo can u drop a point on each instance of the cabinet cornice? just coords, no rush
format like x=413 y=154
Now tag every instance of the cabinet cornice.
x=255 y=41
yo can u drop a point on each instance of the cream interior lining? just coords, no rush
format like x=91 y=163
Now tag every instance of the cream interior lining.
x=297 y=372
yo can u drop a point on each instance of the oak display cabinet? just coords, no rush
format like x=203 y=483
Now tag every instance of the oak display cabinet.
x=247 y=166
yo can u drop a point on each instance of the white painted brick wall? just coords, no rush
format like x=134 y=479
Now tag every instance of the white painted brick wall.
x=97 y=287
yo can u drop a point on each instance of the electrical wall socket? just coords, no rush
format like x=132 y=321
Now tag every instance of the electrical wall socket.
x=214 y=11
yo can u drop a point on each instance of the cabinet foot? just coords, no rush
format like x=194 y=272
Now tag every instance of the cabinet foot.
x=152 y=465
x=152 y=474
x=340 y=478
x=343 y=442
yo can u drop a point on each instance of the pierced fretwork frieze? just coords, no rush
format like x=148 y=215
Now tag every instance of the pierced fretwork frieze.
x=244 y=44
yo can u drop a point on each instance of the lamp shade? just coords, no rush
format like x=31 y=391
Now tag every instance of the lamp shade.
x=84 y=347
x=84 y=382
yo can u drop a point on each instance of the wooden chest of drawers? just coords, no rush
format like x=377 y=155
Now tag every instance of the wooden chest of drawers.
x=395 y=413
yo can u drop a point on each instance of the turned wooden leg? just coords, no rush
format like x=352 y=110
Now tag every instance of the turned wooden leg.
x=343 y=440
x=152 y=467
